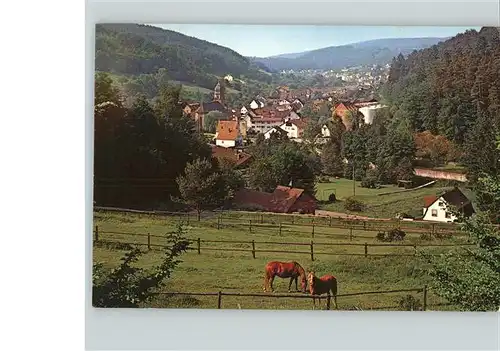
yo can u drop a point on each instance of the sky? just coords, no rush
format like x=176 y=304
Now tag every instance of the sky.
x=269 y=40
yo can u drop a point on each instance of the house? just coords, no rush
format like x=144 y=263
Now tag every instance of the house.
x=284 y=199
x=263 y=124
x=228 y=134
x=440 y=208
x=243 y=110
x=205 y=108
x=273 y=130
x=343 y=110
x=297 y=105
x=237 y=157
x=325 y=131
x=294 y=128
x=255 y=104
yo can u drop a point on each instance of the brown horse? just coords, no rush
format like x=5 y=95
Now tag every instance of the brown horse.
x=323 y=285
x=291 y=270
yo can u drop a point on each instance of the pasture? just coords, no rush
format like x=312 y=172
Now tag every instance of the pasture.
x=378 y=204
x=228 y=270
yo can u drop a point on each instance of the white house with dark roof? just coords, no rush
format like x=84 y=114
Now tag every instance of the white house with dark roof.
x=441 y=208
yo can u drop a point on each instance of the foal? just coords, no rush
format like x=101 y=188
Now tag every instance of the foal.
x=323 y=285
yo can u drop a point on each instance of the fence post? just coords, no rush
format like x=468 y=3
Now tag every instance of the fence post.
x=218 y=222
x=366 y=249
x=261 y=218
x=350 y=234
x=328 y=298
x=250 y=225
x=312 y=251
x=219 y=300
x=330 y=222
x=199 y=246
x=253 y=248
x=96 y=233
x=335 y=300
x=312 y=231
x=433 y=229
x=188 y=218
x=280 y=227
x=293 y=219
x=149 y=241
x=425 y=298
x=364 y=225
x=415 y=250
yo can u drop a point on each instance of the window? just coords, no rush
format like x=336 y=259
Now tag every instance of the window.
x=434 y=213
x=441 y=204
x=448 y=215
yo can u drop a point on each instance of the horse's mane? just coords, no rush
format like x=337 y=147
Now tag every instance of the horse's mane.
x=301 y=270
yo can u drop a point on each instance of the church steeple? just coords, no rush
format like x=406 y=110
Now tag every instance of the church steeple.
x=219 y=91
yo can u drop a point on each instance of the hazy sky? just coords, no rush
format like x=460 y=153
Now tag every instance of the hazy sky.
x=268 y=40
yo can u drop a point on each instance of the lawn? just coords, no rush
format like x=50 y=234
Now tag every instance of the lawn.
x=238 y=271
x=378 y=204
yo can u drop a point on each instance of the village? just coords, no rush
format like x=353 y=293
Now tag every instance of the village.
x=282 y=115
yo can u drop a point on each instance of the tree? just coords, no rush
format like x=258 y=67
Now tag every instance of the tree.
x=104 y=90
x=470 y=277
x=284 y=162
x=395 y=159
x=331 y=158
x=481 y=155
x=211 y=119
x=202 y=185
x=129 y=286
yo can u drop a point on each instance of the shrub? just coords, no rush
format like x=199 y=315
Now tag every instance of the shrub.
x=351 y=204
x=369 y=183
x=409 y=303
x=332 y=198
x=395 y=234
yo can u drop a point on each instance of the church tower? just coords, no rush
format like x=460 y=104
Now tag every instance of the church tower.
x=219 y=92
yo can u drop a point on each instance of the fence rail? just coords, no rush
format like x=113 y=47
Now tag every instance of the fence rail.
x=253 y=219
x=328 y=298
x=252 y=245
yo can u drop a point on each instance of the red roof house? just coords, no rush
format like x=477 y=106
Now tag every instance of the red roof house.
x=283 y=200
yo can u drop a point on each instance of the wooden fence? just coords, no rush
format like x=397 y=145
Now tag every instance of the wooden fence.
x=252 y=245
x=328 y=298
x=254 y=220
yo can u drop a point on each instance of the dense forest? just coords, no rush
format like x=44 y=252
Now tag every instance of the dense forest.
x=453 y=89
x=142 y=58
x=135 y=49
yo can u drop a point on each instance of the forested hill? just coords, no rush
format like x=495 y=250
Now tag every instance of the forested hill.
x=445 y=88
x=379 y=51
x=134 y=49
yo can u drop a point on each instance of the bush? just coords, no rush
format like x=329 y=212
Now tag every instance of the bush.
x=395 y=234
x=369 y=182
x=351 y=204
x=332 y=198
x=409 y=303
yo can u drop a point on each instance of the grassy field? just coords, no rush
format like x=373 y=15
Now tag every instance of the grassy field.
x=235 y=271
x=378 y=206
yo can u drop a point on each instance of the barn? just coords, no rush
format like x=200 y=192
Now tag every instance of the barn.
x=282 y=200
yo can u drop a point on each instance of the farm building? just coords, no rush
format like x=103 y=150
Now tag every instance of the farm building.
x=283 y=200
x=440 y=208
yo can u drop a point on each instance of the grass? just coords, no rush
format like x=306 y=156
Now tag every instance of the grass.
x=377 y=206
x=228 y=271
